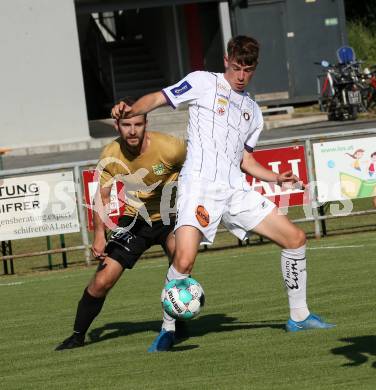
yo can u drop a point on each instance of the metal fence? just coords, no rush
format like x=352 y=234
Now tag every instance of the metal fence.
x=77 y=167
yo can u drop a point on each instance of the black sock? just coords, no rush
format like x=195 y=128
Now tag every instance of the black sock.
x=88 y=308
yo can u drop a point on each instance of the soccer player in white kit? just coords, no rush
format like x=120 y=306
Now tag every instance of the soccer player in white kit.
x=224 y=126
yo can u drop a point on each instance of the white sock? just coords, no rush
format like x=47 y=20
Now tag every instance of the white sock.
x=293 y=263
x=169 y=322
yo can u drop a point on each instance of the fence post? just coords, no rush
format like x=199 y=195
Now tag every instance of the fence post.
x=323 y=222
x=81 y=213
x=312 y=189
x=49 y=256
x=63 y=254
x=6 y=249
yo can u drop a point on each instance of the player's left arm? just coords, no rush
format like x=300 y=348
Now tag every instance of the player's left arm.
x=250 y=166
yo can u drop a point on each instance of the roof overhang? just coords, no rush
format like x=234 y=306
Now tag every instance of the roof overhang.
x=90 y=6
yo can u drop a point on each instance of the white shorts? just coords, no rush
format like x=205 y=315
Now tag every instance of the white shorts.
x=204 y=204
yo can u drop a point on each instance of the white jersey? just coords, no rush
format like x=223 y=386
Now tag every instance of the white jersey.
x=222 y=123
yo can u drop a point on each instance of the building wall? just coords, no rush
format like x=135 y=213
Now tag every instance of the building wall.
x=299 y=34
x=41 y=94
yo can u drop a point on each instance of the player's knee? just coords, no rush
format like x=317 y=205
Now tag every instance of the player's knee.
x=100 y=286
x=297 y=240
x=183 y=263
x=184 y=267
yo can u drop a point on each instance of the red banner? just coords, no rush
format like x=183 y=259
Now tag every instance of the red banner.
x=281 y=160
x=90 y=187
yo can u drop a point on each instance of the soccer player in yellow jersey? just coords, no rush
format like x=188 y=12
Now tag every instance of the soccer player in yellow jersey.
x=146 y=162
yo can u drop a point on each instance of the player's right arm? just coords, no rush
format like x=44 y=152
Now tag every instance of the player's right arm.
x=100 y=216
x=189 y=89
x=142 y=106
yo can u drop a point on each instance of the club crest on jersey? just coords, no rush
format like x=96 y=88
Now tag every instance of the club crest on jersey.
x=246 y=115
x=221 y=110
x=158 y=169
x=202 y=216
x=182 y=88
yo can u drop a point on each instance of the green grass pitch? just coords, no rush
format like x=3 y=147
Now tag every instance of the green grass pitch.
x=238 y=341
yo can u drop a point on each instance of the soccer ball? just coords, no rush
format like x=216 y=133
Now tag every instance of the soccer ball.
x=182 y=299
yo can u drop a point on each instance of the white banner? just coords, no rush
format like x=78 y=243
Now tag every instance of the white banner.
x=39 y=205
x=345 y=169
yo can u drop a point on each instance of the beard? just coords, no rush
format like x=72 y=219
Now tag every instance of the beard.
x=133 y=141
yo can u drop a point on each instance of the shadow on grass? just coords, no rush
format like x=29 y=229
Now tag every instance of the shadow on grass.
x=358 y=351
x=201 y=326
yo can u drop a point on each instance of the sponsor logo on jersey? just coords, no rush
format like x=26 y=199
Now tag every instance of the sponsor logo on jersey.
x=158 y=169
x=221 y=95
x=246 y=115
x=202 y=216
x=222 y=102
x=222 y=87
x=221 y=110
x=182 y=88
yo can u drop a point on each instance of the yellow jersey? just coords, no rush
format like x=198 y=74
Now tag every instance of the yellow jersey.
x=144 y=175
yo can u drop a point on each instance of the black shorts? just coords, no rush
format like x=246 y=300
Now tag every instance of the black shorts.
x=126 y=245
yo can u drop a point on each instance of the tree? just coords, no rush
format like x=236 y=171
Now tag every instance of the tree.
x=361 y=11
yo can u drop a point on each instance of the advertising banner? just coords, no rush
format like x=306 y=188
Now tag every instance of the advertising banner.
x=90 y=187
x=278 y=160
x=38 y=205
x=345 y=169
x=281 y=160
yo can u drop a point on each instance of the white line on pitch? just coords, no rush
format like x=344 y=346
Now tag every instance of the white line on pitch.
x=11 y=284
x=336 y=247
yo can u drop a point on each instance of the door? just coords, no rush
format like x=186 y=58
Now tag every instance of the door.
x=265 y=21
x=315 y=32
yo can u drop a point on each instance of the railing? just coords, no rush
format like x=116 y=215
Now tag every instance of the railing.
x=105 y=22
x=76 y=168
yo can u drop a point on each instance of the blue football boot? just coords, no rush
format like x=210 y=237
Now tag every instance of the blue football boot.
x=163 y=342
x=311 y=322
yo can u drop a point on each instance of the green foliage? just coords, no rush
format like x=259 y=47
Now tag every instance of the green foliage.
x=363 y=11
x=363 y=40
x=238 y=341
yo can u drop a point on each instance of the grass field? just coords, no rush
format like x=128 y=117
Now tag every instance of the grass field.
x=238 y=342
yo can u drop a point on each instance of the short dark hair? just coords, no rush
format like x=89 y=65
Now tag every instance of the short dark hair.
x=130 y=100
x=244 y=50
